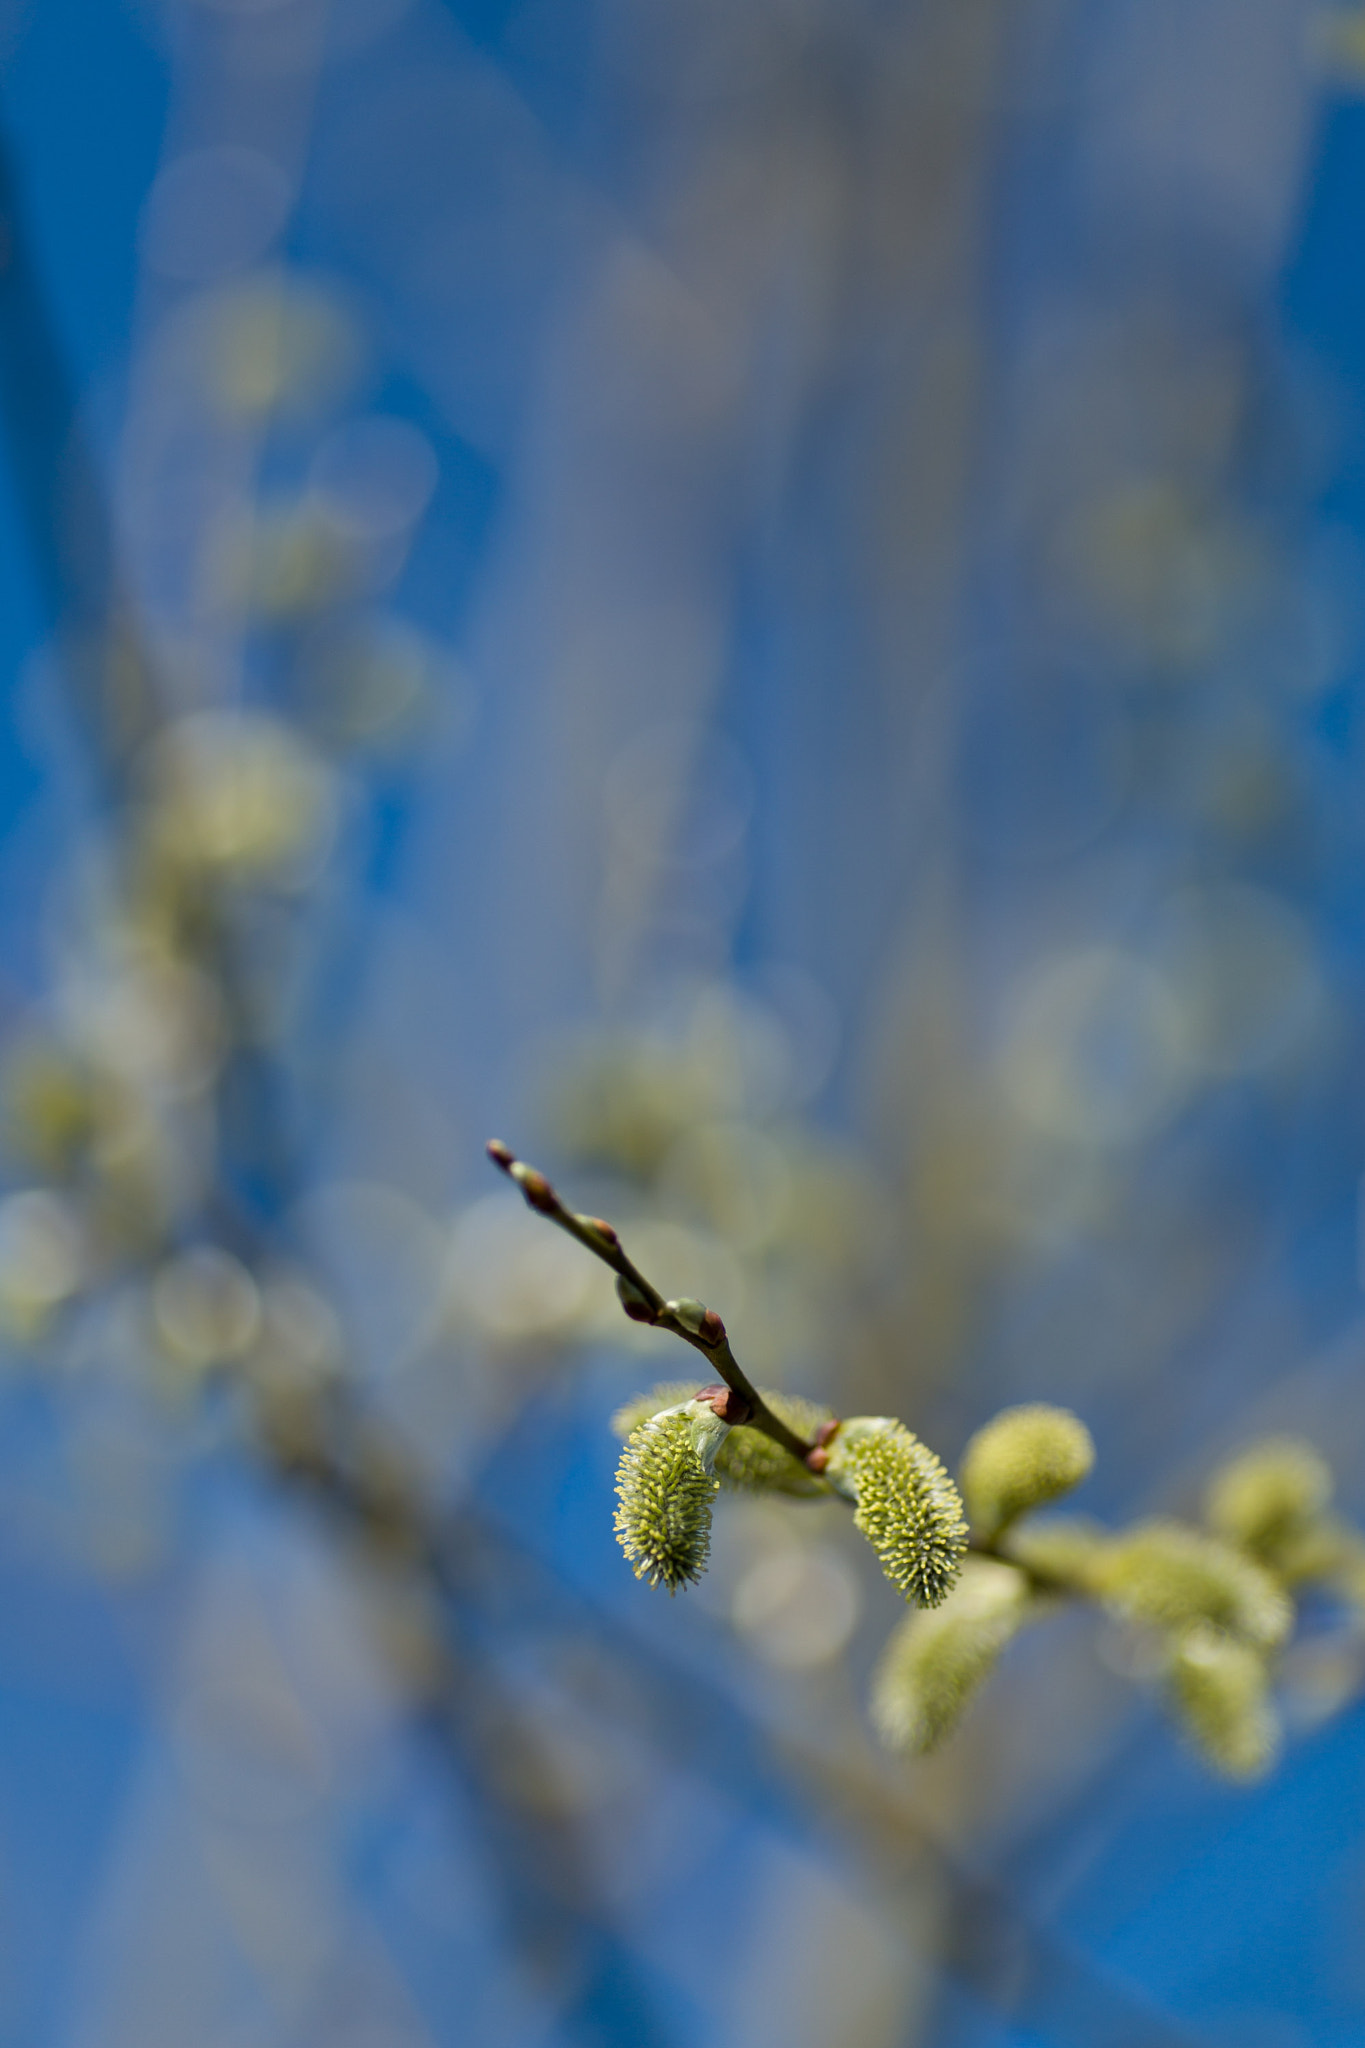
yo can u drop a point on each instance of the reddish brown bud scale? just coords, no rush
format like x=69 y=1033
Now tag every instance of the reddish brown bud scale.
x=536 y=1189
x=712 y=1331
x=500 y=1154
x=604 y=1231
x=817 y=1458
x=725 y=1403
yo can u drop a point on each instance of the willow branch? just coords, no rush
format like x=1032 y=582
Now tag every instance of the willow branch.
x=738 y=1401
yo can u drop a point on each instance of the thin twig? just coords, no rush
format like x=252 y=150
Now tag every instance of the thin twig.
x=739 y=1401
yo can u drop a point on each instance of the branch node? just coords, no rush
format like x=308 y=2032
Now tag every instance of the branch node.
x=636 y=1305
x=698 y=1320
x=724 y=1402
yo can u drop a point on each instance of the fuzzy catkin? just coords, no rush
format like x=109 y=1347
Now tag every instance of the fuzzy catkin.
x=1268 y=1496
x=1023 y=1458
x=1170 y=1576
x=907 y=1506
x=748 y=1461
x=641 y=1407
x=1220 y=1691
x=663 y=1520
x=934 y=1662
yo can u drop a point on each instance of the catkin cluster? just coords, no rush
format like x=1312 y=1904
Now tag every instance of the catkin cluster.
x=904 y=1502
x=1216 y=1602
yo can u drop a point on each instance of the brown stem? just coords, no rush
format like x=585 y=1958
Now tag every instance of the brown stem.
x=643 y=1303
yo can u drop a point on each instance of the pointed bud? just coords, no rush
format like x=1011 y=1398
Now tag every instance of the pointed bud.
x=907 y=1506
x=698 y=1320
x=635 y=1304
x=1023 y=1458
x=537 y=1190
x=663 y=1521
x=934 y=1662
x=1219 y=1689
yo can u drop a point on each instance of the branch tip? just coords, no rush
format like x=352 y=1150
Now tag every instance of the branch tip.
x=532 y=1183
x=642 y=1302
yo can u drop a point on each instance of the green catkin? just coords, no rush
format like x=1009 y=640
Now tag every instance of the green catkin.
x=1170 y=1576
x=640 y=1407
x=907 y=1506
x=1268 y=1497
x=663 y=1520
x=934 y=1662
x=1219 y=1690
x=748 y=1461
x=1023 y=1458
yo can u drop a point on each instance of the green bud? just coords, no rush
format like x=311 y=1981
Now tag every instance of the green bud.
x=1022 y=1459
x=691 y=1314
x=1220 y=1692
x=663 y=1521
x=907 y=1506
x=1265 y=1498
x=635 y=1304
x=933 y=1663
x=1169 y=1575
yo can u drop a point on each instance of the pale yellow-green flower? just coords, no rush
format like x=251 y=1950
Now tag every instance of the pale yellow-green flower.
x=1220 y=1693
x=663 y=1520
x=1169 y=1575
x=1267 y=1497
x=1021 y=1459
x=747 y=1461
x=935 y=1661
x=906 y=1505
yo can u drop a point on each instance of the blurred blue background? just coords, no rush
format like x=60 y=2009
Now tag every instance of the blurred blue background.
x=781 y=587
